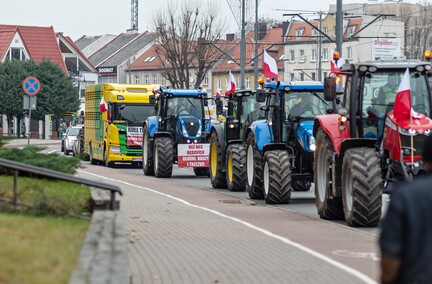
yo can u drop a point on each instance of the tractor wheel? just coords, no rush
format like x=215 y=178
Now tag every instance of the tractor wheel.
x=236 y=167
x=147 y=159
x=277 y=177
x=328 y=208
x=254 y=172
x=163 y=157
x=201 y=172
x=217 y=176
x=301 y=185
x=361 y=187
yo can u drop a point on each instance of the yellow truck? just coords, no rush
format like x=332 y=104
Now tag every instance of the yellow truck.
x=114 y=116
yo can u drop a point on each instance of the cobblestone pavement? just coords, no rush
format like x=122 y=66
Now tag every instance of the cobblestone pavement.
x=180 y=234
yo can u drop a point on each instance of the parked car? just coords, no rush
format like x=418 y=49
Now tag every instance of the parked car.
x=70 y=137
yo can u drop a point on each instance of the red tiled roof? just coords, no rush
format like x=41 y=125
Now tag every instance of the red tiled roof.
x=307 y=31
x=40 y=43
x=272 y=42
x=353 y=22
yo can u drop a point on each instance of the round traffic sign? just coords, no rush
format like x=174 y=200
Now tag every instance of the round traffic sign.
x=31 y=86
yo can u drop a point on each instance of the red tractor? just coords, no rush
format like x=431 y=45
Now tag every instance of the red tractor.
x=363 y=149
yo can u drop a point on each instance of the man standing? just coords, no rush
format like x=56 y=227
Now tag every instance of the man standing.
x=406 y=236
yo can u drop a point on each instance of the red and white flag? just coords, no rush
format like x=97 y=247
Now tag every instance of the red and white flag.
x=103 y=107
x=231 y=85
x=335 y=66
x=402 y=109
x=218 y=93
x=270 y=66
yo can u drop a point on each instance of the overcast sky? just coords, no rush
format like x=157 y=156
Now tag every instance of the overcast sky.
x=97 y=17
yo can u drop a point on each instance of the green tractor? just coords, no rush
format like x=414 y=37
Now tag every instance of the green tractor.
x=227 y=140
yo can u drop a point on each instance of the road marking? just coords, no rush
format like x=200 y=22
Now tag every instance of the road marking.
x=357 y=254
x=343 y=267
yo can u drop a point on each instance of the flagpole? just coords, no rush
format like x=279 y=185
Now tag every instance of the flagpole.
x=412 y=144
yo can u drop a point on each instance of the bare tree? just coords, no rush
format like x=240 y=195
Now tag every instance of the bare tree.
x=188 y=40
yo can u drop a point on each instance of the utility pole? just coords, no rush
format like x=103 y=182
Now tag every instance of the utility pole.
x=243 y=47
x=256 y=47
x=320 y=48
x=339 y=27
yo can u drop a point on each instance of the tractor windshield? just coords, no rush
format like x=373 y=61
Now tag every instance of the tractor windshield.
x=131 y=113
x=185 y=106
x=305 y=104
x=379 y=93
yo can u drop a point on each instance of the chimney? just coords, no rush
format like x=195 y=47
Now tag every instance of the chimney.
x=262 y=31
x=230 y=37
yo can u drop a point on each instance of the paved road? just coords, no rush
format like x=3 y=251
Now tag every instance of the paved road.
x=183 y=234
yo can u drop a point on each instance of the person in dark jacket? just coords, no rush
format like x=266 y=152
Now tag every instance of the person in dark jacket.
x=406 y=236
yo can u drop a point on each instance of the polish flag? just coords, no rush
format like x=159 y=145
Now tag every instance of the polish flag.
x=218 y=93
x=402 y=109
x=231 y=85
x=335 y=66
x=103 y=107
x=270 y=66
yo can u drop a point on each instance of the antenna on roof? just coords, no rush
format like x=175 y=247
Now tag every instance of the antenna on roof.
x=134 y=14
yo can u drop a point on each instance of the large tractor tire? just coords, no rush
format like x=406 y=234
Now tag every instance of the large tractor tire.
x=236 y=167
x=277 y=177
x=361 y=187
x=147 y=159
x=163 y=157
x=201 y=172
x=217 y=175
x=254 y=172
x=328 y=207
x=301 y=185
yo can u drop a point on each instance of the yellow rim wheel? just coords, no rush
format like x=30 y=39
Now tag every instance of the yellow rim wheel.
x=230 y=168
x=213 y=161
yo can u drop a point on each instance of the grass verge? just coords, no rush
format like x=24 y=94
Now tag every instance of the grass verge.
x=39 y=249
x=41 y=243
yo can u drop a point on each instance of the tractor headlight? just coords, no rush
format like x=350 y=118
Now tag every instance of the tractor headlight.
x=427 y=132
x=114 y=149
x=409 y=131
x=312 y=145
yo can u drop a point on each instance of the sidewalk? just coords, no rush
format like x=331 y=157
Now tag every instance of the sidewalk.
x=183 y=235
x=22 y=142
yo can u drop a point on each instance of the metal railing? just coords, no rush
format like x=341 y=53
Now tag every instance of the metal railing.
x=20 y=167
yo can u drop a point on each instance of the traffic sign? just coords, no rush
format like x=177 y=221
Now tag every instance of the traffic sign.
x=31 y=86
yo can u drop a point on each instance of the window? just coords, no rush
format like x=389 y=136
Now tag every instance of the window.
x=313 y=75
x=164 y=82
x=292 y=56
x=302 y=76
x=155 y=79
x=302 y=55
x=314 y=55
x=349 y=52
x=325 y=30
x=247 y=83
x=16 y=54
x=351 y=30
x=292 y=76
x=314 y=32
x=146 y=79
x=219 y=83
x=206 y=80
x=325 y=54
x=298 y=33
x=137 y=79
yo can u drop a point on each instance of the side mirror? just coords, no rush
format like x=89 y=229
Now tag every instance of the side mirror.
x=219 y=106
x=261 y=95
x=329 y=88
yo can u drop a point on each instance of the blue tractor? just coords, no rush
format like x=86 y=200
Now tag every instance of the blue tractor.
x=177 y=134
x=280 y=148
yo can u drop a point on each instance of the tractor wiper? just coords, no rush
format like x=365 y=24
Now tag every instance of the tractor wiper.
x=191 y=103
x=321 y=99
